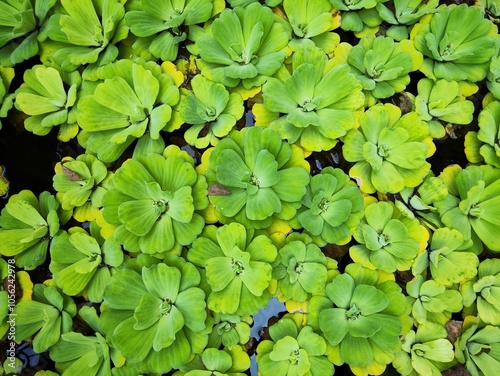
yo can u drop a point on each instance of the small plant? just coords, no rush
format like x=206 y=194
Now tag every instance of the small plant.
x=244 y=45
x=383 y=66
x=470 y=205
x=27 y=225
x=389 y=150
x=388 y=240
x=478 y=347
x=230 y=362
x=47 y=315
x=315 y=105
x=49 y=96
x=293 y=349
x=211 y=110
x=157 y=317
x=481 y=294
x=238 y=268
x=262 y=177
x=153 y=201
x=457 y=43
x=6 y=98
x=229 y=330
x=360 y=314
x=424 y=352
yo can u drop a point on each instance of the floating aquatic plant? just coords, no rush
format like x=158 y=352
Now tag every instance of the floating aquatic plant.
x=231 y=362
x=229 y=330
x=315 y=105
x=6 y=99
x=359 y=16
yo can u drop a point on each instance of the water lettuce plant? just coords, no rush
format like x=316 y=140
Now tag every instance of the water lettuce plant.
x=313 y=106
x=293 y=349
x=244 y=45
x=211 y=111
x=80 y=184
x=457 y=43
x=231 y=362
x=20 y=24
x=48 y=314
x=84 y=32
x=441 y=102
x=229 y=330
x=359 y=16
x=431 y=301
x=332 y=207
x=482 y=146
x=81 y=263
x=161 y=26
x=153 y=202
x=6 y=98
x=263 y=177
x=478 y=347
x=470 y=206
x=301 y=270
x=48 y=96
x=156 y=317
x=361 y=314
x=312 y=22
x=426 y=351
x=383 y=65
x=238 y=268
x=448 y=258
x=482 y=293
x=27 y=225
x=133 y=98
x=387 y=240
x=390 y=150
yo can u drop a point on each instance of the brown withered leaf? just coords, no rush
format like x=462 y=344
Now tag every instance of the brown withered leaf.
x=218 y=190
x=458 y=370
x=454 y=328
x=71 y=175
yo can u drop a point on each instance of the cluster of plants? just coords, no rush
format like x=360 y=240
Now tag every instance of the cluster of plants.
x=197 y=189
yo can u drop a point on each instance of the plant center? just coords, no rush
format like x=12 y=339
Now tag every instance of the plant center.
x=353 y=313
x=383 y=150
x=238 y=267
x=308 y=105
x=384 y=240
x=475 y=210
x=254 y=180
x=323 y=205
x=160 y=206
x=294 y=356
x=165 y=306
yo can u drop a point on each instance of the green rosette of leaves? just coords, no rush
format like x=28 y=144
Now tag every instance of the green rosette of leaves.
x=389 y=150
x=81 y=263
x=315 y=105
x=153 y=200
x=243 y=46
x=448 y=258
x=441 y=102
x=432 y=301
x=229 y=330
x=237 y=266
x=470 y=206
x=259 y=178
x=22 y=23
x=48 y=314
x=211 y=111
x=478 y=347
x=332 y=208
x=84 y=32
x=362 y=313
x=244 y=3
x=6 y=99
x=481 y=295
x=134 y=99
x=228 y=362
x=493 y=77
x=483 y=145
x=404 y=14
x=162 y=25
x=383 y=66
x=457 y=43
x=301 y=270
x=312 y=22
x=48 y=96
x=418 y=202
x=359 y=16
x=156 y=318
x=388 y=241
x=424 y=352
x=27 y=226
x=81 y=184
x=293 y=349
